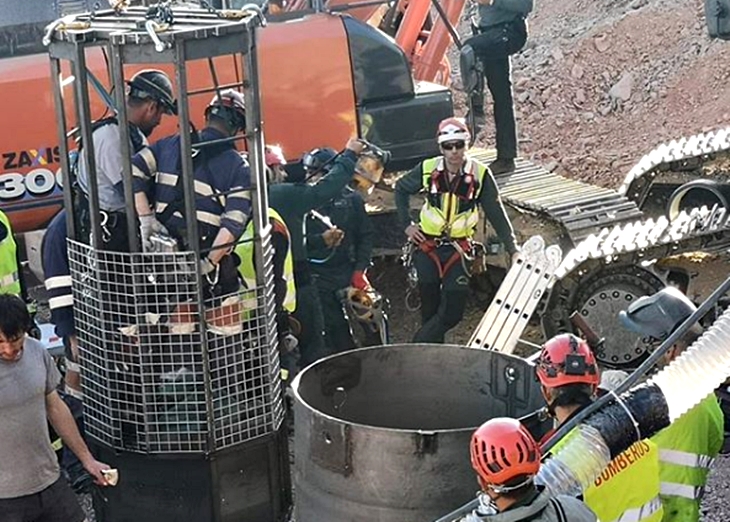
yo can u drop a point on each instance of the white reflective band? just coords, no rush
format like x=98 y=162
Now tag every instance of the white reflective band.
x=681 y=490
x=149 y=159
x=235 y=215
x=60 y=301
x=58 y=282
x=684 y=458
x=9 y=279
x=239 y=192
x=208 y=217
x=167 y=179
x=640 y=513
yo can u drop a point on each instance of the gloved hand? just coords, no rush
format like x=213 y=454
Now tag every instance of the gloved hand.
x=207 y=266
x=360 y=281
x=333 y=237
x=149 y=225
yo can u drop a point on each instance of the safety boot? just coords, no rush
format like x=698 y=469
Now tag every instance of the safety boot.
x=501 y=166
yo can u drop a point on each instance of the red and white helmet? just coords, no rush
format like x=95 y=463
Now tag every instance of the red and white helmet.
x=273 y=155
x=453 y=129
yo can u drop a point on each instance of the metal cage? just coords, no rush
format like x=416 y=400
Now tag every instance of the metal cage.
x=166 y=368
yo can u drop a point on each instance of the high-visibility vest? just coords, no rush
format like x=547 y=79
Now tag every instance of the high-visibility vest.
x=9 y=276
x=627 y=490
x=247 y=268
x=451 y=209
x=687 y=449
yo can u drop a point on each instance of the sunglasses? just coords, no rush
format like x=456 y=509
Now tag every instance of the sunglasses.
x=458 y=145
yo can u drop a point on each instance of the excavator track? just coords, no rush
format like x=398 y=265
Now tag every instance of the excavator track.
x=613 y=238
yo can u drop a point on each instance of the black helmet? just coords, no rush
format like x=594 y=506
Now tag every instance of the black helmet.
x=154 y=84
x=229 y=106
x=319 y=159
x=658 y=315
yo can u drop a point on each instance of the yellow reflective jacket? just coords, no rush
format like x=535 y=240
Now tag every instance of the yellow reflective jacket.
x=451 y=208
x=687 y=449
x=9 y=277
x=247 y=267
x=627 y=490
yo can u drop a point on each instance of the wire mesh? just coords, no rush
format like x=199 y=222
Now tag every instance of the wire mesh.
x=157 y=376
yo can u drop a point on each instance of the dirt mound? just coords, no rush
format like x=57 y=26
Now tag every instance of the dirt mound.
x=600 y=83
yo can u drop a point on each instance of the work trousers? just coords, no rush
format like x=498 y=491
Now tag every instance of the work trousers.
x=493 y=46
x=309 y=315
x=337 y=333
x=443 y=299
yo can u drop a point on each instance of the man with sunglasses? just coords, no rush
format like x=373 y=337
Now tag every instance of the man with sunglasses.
x=455 y=186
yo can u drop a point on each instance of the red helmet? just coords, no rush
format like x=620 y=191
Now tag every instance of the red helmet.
x=502 y=450
x=567 y=359
x=453 y=129
x=273 y=155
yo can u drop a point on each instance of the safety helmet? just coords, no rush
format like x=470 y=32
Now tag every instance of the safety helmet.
x=502 y=450
x=453 y=129
x=658 y=315
x=567 y=359
x=319 y=160
x=229 y=106
x=153 y=84
x=274 y=155
x=275 y=161
x=365 y=305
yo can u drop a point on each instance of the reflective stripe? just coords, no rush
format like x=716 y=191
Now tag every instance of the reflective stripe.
x=58 y=282
x=167 y=179
x=235 y=215
x=208 y=217
x=641 y=513
x=684 y=458
x=60 y=301
x=9 y=279
x=57 y=444
x=149 y=159
x=240 y=192
x=139 y=173
x=681 y=490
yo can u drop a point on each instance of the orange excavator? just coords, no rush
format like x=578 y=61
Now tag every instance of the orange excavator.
x=327 y=71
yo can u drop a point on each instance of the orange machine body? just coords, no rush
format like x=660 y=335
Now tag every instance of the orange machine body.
x=322 y=77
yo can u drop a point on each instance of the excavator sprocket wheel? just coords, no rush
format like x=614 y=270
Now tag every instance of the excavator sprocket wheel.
x=599 y=296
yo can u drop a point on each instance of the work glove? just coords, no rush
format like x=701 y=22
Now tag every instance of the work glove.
x=148 y=225
x=207 y=266
x=333 y=237
x=359 y=280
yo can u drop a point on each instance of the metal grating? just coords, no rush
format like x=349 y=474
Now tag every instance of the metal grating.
x=153 y=381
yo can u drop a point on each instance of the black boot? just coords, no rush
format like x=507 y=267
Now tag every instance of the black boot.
x=502 y=166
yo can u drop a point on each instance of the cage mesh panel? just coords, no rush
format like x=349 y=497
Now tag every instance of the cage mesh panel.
x=143 y=354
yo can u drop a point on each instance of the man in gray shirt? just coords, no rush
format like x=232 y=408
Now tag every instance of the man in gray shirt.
x=149 y=96
x=500 y=31
x=30 y=484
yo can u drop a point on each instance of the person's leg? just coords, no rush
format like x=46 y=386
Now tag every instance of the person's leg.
x=454 y=293
x=337 y=334
x=429 y=285
x=59 y=504
x=309 y=315
x=20 y=509
x=499 y=82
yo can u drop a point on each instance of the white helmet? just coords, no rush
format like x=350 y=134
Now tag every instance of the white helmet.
x=453 y=129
